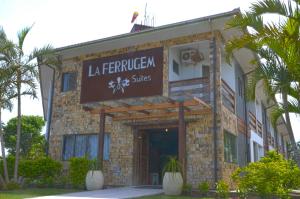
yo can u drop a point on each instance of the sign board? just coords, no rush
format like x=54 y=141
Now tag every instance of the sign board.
x=135 y=74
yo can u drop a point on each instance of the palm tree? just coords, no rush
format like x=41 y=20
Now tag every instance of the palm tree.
x=7 y=92
x=277 y=47
x=25 y=74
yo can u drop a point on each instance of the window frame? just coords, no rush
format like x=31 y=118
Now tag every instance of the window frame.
x=234 y=155
x=105 y=158
x=63 y=89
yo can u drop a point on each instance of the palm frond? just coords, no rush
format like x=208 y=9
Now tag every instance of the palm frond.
x=46 y=56
x=21 y=37
x=278 y=111
x=272 y=7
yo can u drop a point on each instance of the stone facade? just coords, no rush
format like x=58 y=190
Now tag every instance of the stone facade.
x=69 y=117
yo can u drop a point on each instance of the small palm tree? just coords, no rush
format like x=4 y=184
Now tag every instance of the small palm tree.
x=25 y=74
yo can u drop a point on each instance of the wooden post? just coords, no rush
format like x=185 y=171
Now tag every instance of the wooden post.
x=101 y=137
x=182 y=140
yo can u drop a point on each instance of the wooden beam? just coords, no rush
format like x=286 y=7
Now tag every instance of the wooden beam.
x=200 y=101
x=161 y=115
x=182 y=140
x=148 y=107
x=128 y=106
x=101 y=138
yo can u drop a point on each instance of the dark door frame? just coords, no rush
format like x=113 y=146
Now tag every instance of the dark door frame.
x=139 y=132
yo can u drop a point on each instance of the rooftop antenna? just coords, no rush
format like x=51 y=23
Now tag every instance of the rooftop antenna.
x=145 y=16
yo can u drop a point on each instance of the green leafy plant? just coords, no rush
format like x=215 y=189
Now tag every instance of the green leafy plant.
x=187 y=189
x=78 y=170
x=172 y=165
x=203 y=188
x=269 y=177
x=12 y=186
x=10 y=165
x=94 y=165
x=222 y=189
x=41 y=172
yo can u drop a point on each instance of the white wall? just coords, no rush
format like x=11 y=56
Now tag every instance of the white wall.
x=228 y=74
x=255 y=138
x=258 y=109
x=187 y=71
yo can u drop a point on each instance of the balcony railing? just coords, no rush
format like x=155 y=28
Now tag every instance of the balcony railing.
x=252 y=121
x=228 y=96
x=185 y=89
x=259 y=128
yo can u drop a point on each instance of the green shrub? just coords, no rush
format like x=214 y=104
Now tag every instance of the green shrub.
x=12 y=186
x=78 y=170
x=203 y=188
x=222 y=189
x=272 y=175
x=10 y=166
x=187 y=189
x=40 y=168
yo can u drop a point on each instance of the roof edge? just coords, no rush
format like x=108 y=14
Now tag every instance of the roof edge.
x=215 y=16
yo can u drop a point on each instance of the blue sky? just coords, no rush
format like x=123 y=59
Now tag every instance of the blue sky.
x=65 y=22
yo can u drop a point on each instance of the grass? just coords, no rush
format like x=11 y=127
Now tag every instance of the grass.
x=169 y=197
x=27 y=193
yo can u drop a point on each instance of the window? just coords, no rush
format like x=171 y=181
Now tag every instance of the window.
x=69 y=81
x=230 y=154
x=175 y=67
x=240 y=87
x=84 y=145
x=205 y=71
x=257 y=151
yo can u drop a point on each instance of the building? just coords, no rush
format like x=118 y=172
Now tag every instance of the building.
x=159 y=92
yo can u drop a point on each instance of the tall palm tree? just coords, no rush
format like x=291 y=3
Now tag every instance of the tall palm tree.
x=7 y=92
x=277 y=46
x=25 y=74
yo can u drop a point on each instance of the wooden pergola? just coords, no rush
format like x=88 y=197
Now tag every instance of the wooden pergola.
x=166 y=108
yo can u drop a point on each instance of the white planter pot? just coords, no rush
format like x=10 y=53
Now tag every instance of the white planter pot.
x=94 y=180
x=172 y=183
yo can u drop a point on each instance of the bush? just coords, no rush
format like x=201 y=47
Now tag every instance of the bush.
x=187 y=189
x=222 y=189
x=12 y=186
x=10 y=166
x=40 y=172
x=78 y=170
x=203 y=188
x=272 y=175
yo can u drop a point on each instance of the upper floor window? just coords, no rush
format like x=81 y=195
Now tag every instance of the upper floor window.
x=69 y=81
x=240 y=87
x=175 y=67
x=205 y=71
x=230 y=151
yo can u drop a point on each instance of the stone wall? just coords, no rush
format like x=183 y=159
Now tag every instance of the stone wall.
x=199 y=151
x=229 y=123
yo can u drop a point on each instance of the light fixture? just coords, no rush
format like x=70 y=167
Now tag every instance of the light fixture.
x=166 y=130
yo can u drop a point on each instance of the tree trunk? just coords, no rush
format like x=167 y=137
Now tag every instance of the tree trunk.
x=289 y=128
x=2 y=182
x=6 y=178
x=18 y=131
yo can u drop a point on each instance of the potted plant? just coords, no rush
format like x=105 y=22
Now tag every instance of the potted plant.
x=94 y=178
x=172 y=181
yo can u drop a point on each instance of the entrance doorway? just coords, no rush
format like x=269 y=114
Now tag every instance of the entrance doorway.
x=153 y=149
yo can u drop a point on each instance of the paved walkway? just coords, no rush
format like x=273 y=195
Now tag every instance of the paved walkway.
x=112 y=193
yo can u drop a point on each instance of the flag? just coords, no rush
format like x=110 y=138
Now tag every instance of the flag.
x=134 y=16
